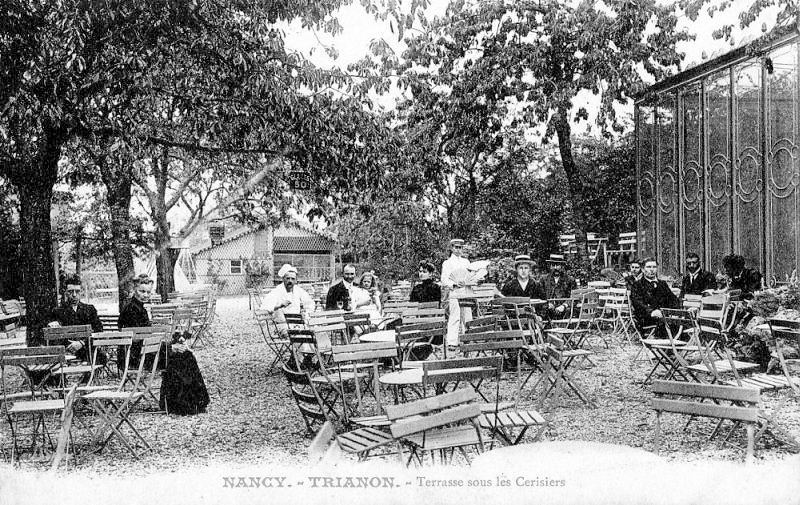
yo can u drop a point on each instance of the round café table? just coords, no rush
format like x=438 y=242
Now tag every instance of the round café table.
x=378 y=336
x=566 y=458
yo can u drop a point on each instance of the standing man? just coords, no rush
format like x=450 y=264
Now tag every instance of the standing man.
x=522 y=285
x=452 y=290
x=648 y=296
x=696 y=281
x=72 y=312
x=286 y=298
x=557 y=284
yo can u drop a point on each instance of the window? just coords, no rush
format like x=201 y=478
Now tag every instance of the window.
x=236 y=266
x=216 y=233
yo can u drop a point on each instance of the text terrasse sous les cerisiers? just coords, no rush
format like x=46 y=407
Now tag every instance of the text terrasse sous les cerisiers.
x=388 y=482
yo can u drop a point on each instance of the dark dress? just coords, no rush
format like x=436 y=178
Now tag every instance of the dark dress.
x=513 y=288
x=647 y=296
x=82 y=314
x=183 y=390
x=337 y=292
x=702 y=281
x=426 y=291
x=133 y=315
x=748 y=280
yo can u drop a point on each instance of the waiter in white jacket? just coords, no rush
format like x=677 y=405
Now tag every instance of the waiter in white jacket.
x=451 y=291
x=286 y=298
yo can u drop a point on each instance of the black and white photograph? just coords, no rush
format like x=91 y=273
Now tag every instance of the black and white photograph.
x=400 y=251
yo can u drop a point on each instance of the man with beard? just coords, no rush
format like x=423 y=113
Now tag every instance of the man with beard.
x=557 y=285
x=286 y=298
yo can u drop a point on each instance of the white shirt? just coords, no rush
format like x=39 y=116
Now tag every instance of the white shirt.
x=363 y=301
x=297 y=297
x=449 y=266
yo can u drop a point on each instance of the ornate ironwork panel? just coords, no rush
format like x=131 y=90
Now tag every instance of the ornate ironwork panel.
x=782 y=162
x=748 y=180
x=647 y=177
x=692 y=171
x=719 y=186
x=667 y=186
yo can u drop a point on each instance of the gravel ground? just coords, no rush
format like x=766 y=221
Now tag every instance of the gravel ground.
x=252 y=419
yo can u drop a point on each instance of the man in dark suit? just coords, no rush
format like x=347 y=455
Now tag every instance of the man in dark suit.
x=339 y=295
x=696 y=280
x=522 y=284
x=73 y=312
x=648 y=296
x=557 y=285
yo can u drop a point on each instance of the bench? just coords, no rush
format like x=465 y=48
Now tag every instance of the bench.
x=739 y=404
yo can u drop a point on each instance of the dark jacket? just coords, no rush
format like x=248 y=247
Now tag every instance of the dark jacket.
x=337 y=292
x=647 y=296
x=513 y=288
x=702 y=281
x=561 y=289
x=631 y=279
x=133 y=315
x=83 y=314
x=748 y=280
x=426 y=291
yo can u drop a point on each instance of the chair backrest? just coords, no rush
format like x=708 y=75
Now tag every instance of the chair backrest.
x=481 y=324
x=110 y=321
x=492 y=341
x=434 y=412
x=46 y=358
x=627 y=241
x=782 y=331
x=151 y=347
x=305 y=395
x=415 y=314
x=714 y=307
x=427 y=332
x=746 y=399
x=692 y=301
x=141 y=332
x=372 y=353
x=59 y=333
x=473 y=371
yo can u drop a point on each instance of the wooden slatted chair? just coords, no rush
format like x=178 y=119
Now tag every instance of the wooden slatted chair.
x=279 y=345
x=418 y=316
x=110 y=321
x=782 y=331
x=416 y=340
x=739 y=404
x=41 y=361
x=712 y=338
x=61 y=335
x=558 y=375
x=116 y=408
x=311 y=405
x=672 y=354
x=436 y=424
x=347 y=359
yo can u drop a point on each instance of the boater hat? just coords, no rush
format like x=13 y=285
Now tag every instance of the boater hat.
x=457 y=241
x=556 y=259
x=522 y=259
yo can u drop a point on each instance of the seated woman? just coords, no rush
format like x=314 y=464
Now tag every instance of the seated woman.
x=366 y=296
x=427 y=290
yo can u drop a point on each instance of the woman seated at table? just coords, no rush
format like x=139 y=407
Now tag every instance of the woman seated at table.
x=427 y=290
x=366 y=296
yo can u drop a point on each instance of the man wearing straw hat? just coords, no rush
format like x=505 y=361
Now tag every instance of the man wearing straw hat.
x=286 y=298
x=457 y=316
x=557 y=285
x=522 y=284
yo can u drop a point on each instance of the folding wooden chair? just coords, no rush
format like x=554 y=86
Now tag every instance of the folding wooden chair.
x=347 y=359
x=110 y=321
x=782 y=331
x=712 y=338
x=42 y=362
x=413 y=341
x=436 y=424
x=115 y=408
x=59 y=335
x=671 y=353
x=312 y=407
x=278 y=344
x=557 y=373
x=419 y=316
x=482 y=324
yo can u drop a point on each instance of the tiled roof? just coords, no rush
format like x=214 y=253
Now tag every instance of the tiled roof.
x=308 y=243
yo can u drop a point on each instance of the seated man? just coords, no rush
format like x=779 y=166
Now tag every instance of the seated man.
x=648 y=296
x=696 y=281
x=73 y=312
x=340 y=294
x=522 y=284
x=557 y=285
x=426 y=290
x=747 y=280
x=633 y=274
x=286 y=298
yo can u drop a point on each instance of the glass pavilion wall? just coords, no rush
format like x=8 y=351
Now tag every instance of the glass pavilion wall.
x=718 y=163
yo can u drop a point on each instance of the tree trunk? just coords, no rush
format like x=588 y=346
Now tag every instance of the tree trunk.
x=118 y=183
x=165 y=267
x=78 y=246
x=35 y=185
x=574 y=180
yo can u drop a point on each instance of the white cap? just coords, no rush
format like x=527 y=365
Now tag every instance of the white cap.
x=285 y=269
